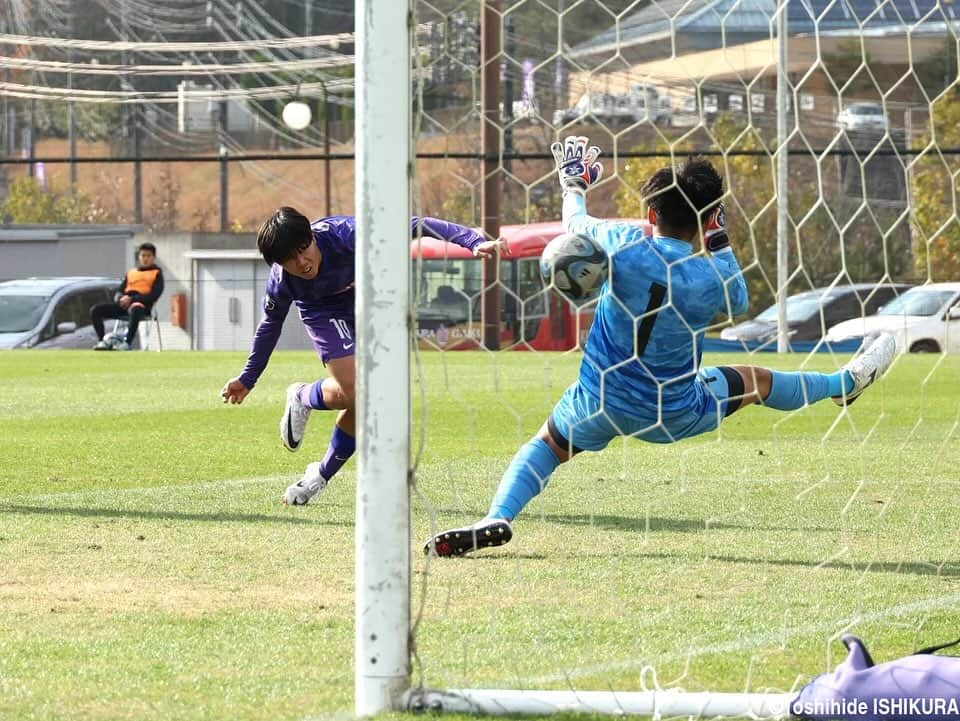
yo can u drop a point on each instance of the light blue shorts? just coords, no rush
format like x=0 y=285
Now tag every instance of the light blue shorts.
x=579 y=422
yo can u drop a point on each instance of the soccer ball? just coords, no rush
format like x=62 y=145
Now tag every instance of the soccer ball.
x=575 y=266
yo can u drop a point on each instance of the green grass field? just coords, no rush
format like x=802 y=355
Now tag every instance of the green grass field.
x=148 y=570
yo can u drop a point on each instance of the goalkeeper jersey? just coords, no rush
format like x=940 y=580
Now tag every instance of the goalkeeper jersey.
x=645 y=344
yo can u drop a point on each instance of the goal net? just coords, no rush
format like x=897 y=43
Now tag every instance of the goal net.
x=716 y=575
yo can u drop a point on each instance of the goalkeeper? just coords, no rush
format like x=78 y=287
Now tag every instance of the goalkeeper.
x=640 y=375
x=312 y=267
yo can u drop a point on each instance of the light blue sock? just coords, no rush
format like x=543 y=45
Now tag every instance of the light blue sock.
x=524 y=478
x=789 y=391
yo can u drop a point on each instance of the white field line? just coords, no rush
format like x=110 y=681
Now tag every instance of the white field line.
x=143 y=491
x=758 y=641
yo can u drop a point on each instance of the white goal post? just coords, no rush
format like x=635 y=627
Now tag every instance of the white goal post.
x=383 y=337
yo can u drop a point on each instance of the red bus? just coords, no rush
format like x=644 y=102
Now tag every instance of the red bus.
x=448 y=288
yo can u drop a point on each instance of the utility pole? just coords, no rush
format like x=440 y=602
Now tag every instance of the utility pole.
x=510 y=48
x=326 y=148
x=71 y=119
x=137 y=169
x=224 y=190
x=490 y=44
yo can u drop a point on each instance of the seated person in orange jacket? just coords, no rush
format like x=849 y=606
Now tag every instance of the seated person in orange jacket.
x=139 y=290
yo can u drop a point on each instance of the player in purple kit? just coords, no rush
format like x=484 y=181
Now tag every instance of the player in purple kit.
x=312 y=267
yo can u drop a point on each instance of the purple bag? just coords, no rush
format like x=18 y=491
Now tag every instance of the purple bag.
x=913 y=688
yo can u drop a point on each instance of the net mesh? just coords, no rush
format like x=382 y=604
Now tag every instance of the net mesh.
x=732 y=561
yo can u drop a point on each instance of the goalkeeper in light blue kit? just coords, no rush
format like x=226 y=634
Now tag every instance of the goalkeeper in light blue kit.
x=640 y=375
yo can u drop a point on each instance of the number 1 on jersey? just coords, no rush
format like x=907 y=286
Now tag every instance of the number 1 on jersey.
x=657 y=294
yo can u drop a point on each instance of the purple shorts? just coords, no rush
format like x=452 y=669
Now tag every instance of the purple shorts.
x=332 y=331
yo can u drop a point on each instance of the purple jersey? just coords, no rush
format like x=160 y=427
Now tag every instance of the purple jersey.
x=326 y=302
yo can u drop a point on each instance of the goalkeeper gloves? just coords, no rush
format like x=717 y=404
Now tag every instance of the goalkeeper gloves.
x=715 y=232
x=577 y=164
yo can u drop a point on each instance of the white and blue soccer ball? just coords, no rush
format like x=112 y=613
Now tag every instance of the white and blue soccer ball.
x=575 y=266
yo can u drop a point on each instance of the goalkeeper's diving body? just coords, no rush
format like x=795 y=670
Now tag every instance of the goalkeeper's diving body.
x=312 y=267
x=640 y=375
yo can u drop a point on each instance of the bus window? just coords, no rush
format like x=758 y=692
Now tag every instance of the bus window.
x=533 y=299
x=446 y=292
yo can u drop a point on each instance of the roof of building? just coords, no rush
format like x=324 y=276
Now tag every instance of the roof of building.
x=24 y=232
x=712 y=23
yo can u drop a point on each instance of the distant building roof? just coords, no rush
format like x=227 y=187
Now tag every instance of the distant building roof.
x=714 y=23
x=32 y=232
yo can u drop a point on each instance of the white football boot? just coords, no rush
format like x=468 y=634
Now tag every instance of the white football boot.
x=868 y=366
x=310 y=486
x=293 y=423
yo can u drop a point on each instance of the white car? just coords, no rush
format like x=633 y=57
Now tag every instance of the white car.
x=925 y=319
x=863 y=117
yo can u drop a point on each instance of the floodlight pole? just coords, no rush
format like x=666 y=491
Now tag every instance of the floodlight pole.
x=382 y=195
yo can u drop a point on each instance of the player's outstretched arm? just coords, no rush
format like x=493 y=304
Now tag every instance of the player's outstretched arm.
x=276 y=305
x=459 y=235
x=579 y=170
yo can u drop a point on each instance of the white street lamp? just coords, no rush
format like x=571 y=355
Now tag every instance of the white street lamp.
x=296 y=115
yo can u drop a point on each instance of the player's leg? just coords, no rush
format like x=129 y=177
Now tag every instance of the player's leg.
x=789 y=391
x=337 y=392
x=333 y=393
x=136 y=312
x=738 y=386
x=332 y=337
x=529 y=472
x=526 y=475
x=99 y=313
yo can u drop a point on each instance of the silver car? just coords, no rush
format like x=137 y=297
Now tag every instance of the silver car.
x=863 y=117
x=51 y=312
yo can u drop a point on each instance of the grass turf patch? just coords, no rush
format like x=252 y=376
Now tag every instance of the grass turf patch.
x=149 y=570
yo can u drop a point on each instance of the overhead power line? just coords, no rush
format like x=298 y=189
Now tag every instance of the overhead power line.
x=187 y=68
x=179 y=47
x=131 y=97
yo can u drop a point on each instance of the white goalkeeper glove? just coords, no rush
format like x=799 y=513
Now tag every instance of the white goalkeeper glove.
x=577 y=164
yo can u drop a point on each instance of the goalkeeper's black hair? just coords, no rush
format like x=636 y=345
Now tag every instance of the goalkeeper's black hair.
x=283 y=235
x=683 y=197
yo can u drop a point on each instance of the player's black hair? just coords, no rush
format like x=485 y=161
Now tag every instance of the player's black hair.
x=150 y=247
x=283 y=235
x=683 y=197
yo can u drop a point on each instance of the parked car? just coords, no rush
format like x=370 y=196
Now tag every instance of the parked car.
x=863 y=117
x=811 y=313
x=51 y=312
x=925 y=319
